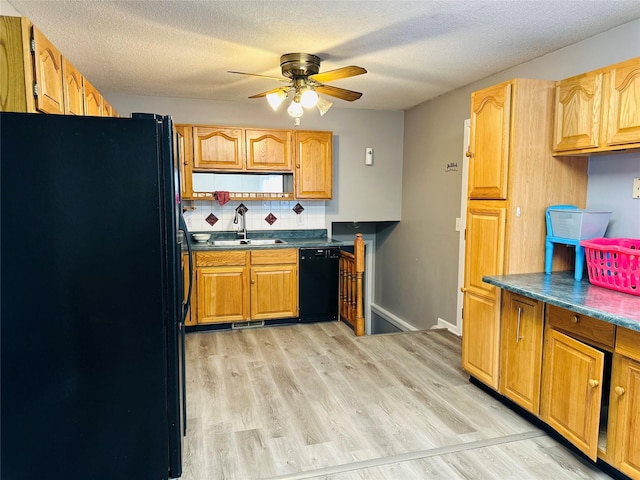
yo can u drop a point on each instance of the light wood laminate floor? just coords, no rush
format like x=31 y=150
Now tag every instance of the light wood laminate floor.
x=313 y=401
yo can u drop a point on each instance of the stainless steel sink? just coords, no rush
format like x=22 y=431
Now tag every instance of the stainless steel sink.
x=265 y=241
x=252 y=241
x=230 y=242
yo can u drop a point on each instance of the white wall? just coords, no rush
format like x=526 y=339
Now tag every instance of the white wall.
x=360 y=193
x=417 y=260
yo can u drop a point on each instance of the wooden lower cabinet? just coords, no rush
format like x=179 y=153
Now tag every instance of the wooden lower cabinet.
x=481 y=339
x=274 y=284
x=623 y=436
x=572 y=382
x=521 y=360
x=240 y=285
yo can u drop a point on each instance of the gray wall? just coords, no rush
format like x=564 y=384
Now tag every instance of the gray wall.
x=360 y=193
x=417 y=260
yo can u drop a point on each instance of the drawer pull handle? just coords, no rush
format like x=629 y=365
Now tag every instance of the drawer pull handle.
x=619 y=391
x=518 y=337
x=593 y=383
x=575 y=319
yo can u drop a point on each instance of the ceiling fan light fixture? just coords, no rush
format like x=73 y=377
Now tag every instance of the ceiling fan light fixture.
x=309 y=98
x=295 y=109
x=275 y=99
x=323 y=105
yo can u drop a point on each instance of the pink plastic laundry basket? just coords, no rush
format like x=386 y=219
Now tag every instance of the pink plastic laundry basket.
x=614 y=263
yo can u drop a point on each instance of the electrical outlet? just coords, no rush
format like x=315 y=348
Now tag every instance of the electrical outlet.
x=458 y=224
x=636 y=188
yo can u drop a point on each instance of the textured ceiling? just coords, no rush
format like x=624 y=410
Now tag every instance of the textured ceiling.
x=413 y=51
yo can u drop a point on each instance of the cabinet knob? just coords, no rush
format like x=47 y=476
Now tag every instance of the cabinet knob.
x=619 y=391
x=462 y=289
x=593 y=383
x=468 y=154
x=575 y=319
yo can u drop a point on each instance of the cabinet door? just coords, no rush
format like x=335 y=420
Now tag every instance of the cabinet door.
x=48 y=75
x=107 y=109
x=73 y=90
x=313 y=175
x=481 y=338
x=521 y=362
x=489 y=142
x=269 y=150
x=218 y=148
x=184 y=153
x=481 y=324
x=624 y=104
x=92 y=100
x=623 y=436
x=578 y=112
x=572 y=390
x=274 y=291
x=223 y=294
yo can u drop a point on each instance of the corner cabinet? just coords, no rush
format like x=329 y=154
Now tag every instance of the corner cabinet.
x=313 y=176
x=598 y=111
x=513 y=178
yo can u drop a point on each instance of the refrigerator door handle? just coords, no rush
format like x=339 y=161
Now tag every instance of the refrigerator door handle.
x=183 y=228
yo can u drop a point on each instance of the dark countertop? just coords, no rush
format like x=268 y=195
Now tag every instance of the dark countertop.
x=562 y=290
x=294 y=239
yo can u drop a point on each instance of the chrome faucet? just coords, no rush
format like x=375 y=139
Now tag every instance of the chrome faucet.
x=242 y=230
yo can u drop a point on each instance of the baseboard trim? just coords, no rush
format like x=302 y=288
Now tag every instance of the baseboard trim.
x=449 y=326
x=393 y=319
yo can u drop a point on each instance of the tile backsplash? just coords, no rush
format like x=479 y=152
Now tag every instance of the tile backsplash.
x=210 y=216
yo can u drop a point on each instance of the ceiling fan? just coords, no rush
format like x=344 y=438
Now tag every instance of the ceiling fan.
x=305 y=82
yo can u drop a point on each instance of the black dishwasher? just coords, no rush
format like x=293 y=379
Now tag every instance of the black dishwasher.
x=319 y=274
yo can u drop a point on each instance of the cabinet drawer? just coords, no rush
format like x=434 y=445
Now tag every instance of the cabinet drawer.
x=227 y=257
x=628 y=343
x=586 y=328
x=275 y=256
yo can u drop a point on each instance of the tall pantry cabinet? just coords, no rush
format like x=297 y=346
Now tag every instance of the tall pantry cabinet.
x=513 y=178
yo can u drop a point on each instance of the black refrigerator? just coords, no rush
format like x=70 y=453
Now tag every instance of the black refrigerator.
x=92 y=309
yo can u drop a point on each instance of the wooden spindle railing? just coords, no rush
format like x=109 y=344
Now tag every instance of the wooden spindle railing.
x=351 y=272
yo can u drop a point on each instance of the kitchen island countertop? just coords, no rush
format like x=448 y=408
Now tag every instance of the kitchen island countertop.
x=562 y=290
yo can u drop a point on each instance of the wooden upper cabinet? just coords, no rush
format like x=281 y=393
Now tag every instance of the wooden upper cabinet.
x=48 y=75
x=73 y=89
x=184 y=152
x=108 y=110
x=218 y=148
x=313 y=175
x=578 y=112
x=92 y=100
x=598 y=111
x=489 y=142
x=623 y=126
x=268 y=150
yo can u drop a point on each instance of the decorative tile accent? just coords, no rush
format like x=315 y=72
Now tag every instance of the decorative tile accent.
x=211 y=219
x=271 y=219
x=241 y=208
x=298 y=208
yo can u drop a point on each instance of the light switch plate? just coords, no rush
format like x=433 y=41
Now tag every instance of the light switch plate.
x=636 y=188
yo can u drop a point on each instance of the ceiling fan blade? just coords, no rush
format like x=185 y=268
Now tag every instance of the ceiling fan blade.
x=337 y=74
x=341 y=93
x=280 y=79
x=264 y=94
